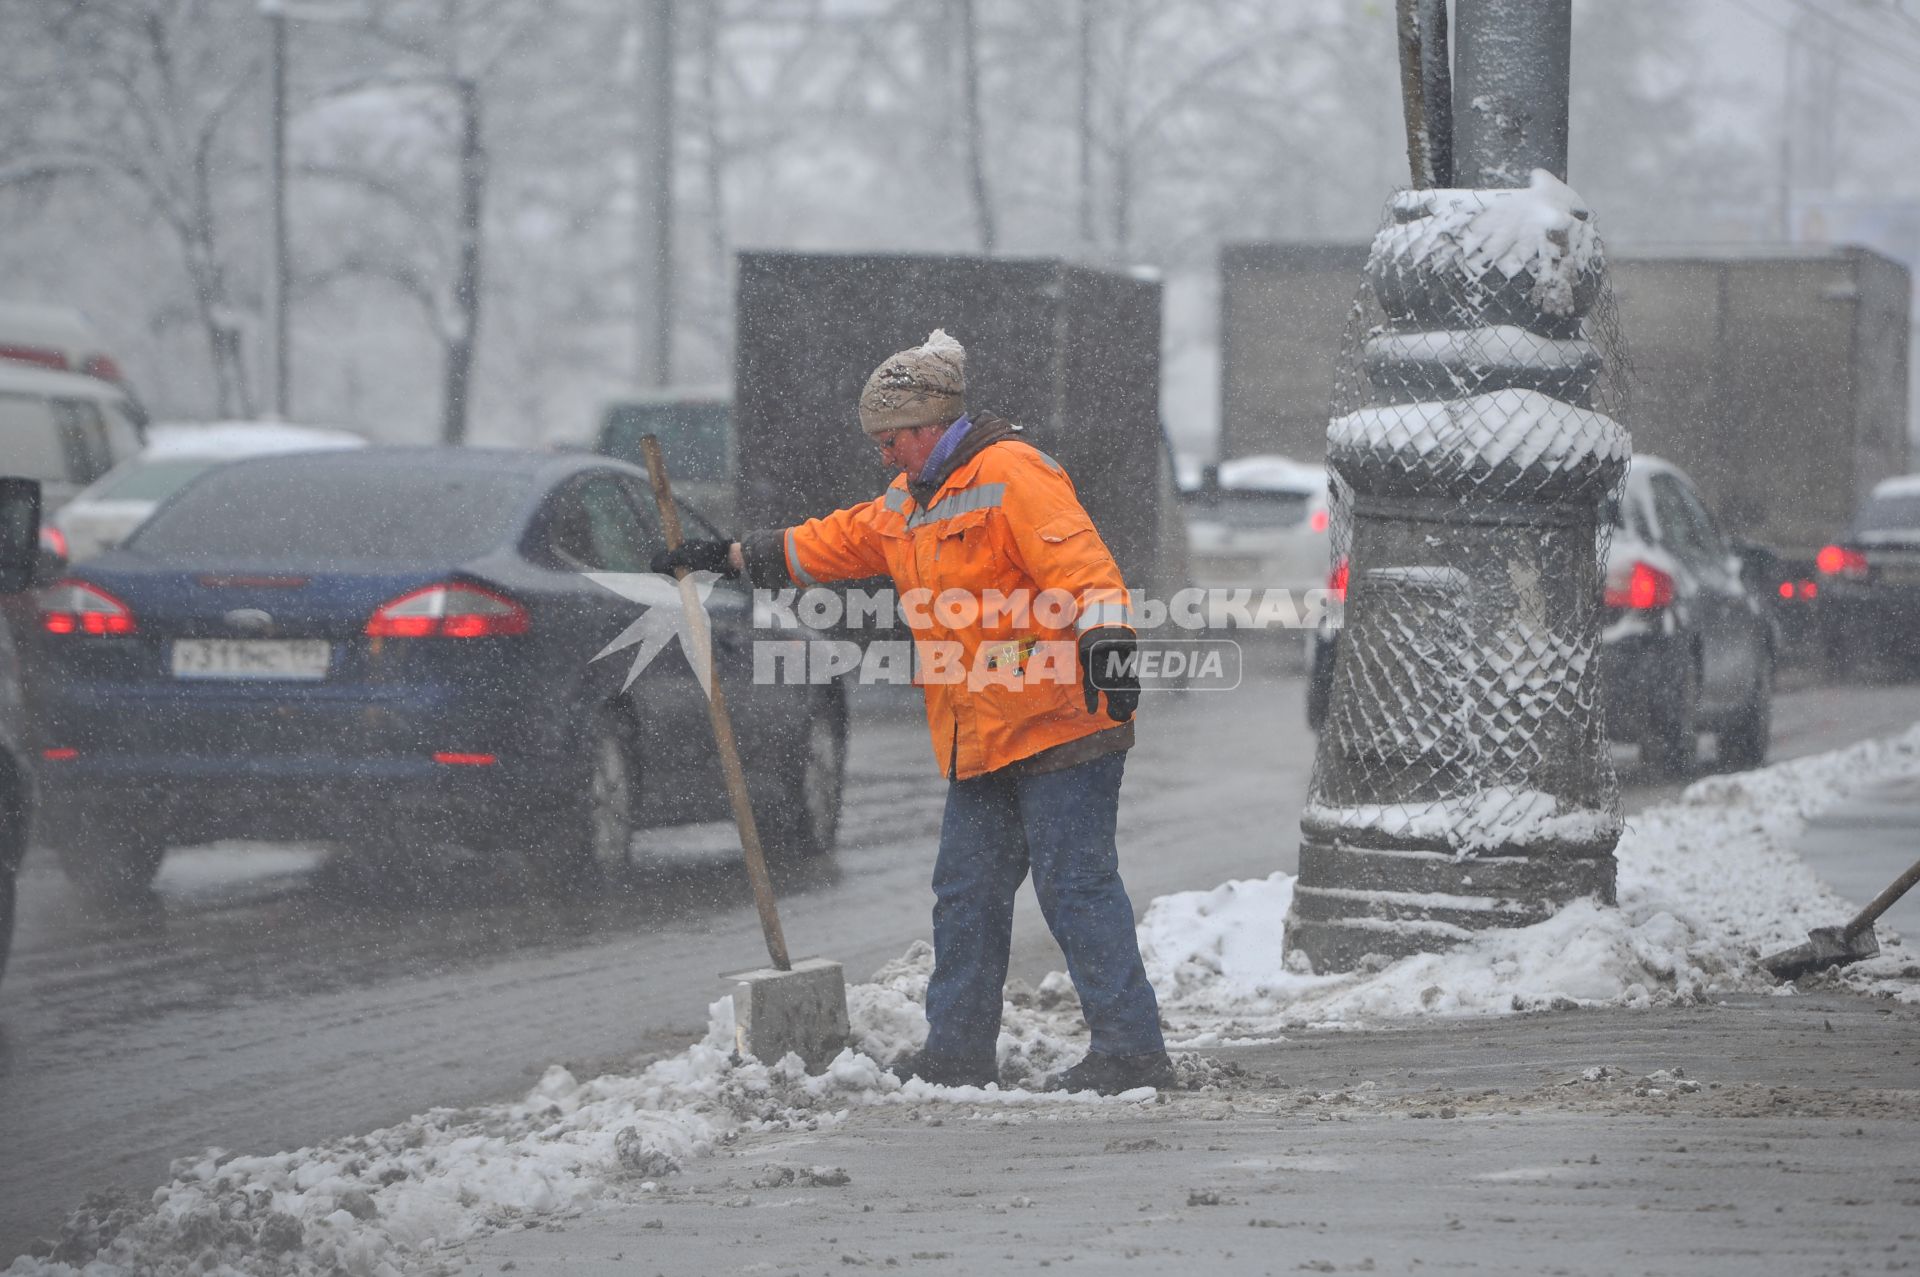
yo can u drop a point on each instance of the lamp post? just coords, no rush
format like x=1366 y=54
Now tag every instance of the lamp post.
x=274 y=357
x=1463 y=781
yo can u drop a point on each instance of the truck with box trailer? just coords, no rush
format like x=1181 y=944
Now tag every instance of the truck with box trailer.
x=1775 y=376
x=1070 y=353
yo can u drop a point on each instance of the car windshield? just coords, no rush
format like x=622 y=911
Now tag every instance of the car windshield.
x=326 y=513
x=1900 y=513
x=1244 y=508
x=153 y=480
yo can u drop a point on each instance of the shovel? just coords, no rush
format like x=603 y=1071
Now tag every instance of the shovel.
x=1837 y=946
x=799 y=1007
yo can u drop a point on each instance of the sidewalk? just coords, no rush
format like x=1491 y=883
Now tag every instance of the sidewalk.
x=1757 y=1134
x=1790 y=1145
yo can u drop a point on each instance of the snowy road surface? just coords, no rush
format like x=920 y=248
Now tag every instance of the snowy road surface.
x=261 y=1007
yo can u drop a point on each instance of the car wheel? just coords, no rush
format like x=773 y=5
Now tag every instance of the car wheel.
x=1743 y=745
x=112 y=868
x=1672 y=743
x=800 y=817
x=595 y=837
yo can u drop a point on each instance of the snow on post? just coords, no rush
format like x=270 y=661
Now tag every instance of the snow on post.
x=1462 y=781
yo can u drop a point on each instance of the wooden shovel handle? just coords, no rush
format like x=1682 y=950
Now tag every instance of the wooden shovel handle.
x=1884 y=901
x=717 y=715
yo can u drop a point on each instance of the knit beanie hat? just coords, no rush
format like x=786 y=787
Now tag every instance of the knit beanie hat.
x=925 y=386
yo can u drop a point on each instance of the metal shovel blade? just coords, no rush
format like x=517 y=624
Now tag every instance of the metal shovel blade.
x=803 y=1010
x=1825 y=947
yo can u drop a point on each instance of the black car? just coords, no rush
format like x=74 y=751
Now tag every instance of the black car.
x=1687 y=644
x=397 y=646
x=1870 y=582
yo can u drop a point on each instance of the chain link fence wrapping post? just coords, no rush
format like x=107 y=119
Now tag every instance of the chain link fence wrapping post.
x=1463 y=779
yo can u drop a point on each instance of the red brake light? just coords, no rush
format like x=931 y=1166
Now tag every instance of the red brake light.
x=38 y=355
x=1786 y=589
x=1641 y=588
x=1318 y=521
x=448 y=611
x=451 y=759
x=76 y=607
x=1809 y=589
x=103 y=367
x=1337 y=580
x=53 y=539
x=1841 y=560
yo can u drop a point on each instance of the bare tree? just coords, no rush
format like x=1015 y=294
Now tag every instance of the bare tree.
x=438 y=58
x=143 y=96
x=974 y=129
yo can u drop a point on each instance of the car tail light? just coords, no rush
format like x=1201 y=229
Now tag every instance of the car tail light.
x=448 y=611
x=39 y=355
x=77 y=607
x=1318 y=521
x=1641 y=587
x=60 y=754
x=52 y=539
x=1841 y=560
x=1799 y=589
x=1337 y=580
x=451 y=759
x=103 y=367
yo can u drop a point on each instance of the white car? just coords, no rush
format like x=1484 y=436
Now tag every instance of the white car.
x=63 y=429
x=1258 y=524
x=104 y=514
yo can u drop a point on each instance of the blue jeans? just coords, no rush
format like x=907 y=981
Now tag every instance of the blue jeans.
x=1061 y=826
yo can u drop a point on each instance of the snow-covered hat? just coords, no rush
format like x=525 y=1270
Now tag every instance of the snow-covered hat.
x=924 y=386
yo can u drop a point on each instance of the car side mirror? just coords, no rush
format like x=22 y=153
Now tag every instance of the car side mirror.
x=20 y=565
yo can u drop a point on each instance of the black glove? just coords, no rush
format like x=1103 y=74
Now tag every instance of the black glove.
x=696 y=556
x=1107 y=664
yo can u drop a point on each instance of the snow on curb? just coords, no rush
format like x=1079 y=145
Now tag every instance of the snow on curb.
x=369 y=1204
x=1707 y=885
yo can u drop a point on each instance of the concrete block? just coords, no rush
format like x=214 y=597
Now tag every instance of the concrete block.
x=803 y=1010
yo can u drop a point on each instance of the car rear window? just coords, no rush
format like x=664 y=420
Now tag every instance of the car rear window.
x=284 y=511
x=1891 y=514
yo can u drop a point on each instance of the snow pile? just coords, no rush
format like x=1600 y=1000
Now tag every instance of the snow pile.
x=1708 y=886
x=358 y=1205
x=363 y=1205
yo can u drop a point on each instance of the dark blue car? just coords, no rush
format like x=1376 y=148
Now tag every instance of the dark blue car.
x=395 y=646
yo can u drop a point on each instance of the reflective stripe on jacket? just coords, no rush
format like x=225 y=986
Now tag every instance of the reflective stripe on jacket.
x=1005 y=526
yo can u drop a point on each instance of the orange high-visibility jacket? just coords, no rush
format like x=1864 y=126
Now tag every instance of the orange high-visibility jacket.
x=1006 y=526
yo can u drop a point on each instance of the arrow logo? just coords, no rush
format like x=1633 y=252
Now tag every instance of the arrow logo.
x=663 y=620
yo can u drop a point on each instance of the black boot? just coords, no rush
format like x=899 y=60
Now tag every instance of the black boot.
x=1112 y=1074
x=941 y=1071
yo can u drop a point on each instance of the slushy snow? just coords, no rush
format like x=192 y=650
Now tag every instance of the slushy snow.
x=1708 y=885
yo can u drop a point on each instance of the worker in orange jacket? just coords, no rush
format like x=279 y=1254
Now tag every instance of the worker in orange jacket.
x=1020 y=625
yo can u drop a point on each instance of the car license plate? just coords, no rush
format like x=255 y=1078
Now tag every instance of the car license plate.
x=251 y=658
